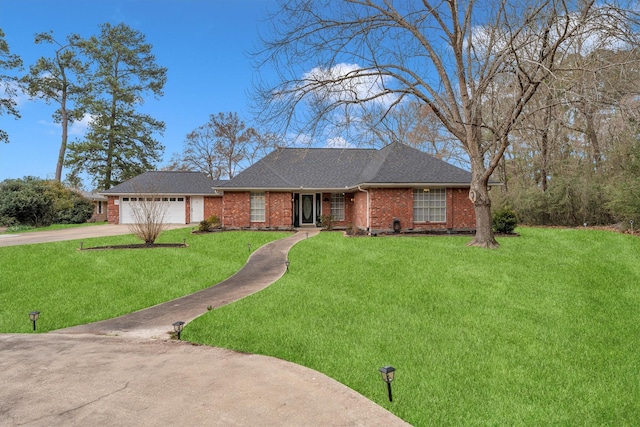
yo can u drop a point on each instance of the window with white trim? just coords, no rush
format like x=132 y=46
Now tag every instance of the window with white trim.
x=337 y=206
x=430 y=205
x=257 y=207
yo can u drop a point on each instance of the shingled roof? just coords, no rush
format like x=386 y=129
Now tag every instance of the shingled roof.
x=167 y=182
x=331 y=168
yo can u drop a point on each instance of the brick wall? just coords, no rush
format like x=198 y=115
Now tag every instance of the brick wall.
x=113 y=210
x=359 y=217
x=279 y=210
x=387 y=204
x=213 y=206
x=236 y=209
x=348 y=209
x=463 y=214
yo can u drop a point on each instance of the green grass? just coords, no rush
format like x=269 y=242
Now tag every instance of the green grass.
x=543 y=331
x=72 y=287
x=28 y=228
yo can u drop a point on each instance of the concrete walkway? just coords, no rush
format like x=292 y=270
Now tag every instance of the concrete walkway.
x=125 y=371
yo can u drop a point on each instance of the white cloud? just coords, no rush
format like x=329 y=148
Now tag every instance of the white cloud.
x=339 y=142
x=77 y=128
x=347 y=82
x=603 y=29
x=80 y=127
x=12 y=90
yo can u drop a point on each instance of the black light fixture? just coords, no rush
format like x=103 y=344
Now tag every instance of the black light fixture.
x=387 y=376
x=34 y=315
x=287 y=263
x=631 y=223
x=249 y=247
x=178 y=327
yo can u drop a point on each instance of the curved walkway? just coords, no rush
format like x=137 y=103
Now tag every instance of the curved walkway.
x=111 y=373
x=265 y=266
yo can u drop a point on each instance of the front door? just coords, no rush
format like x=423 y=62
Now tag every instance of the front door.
x=307 y=209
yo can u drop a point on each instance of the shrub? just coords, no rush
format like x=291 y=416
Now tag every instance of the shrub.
x=505 y=220
x=326 y=221
x=27 y=201
x=209 y=223
x=77 y=210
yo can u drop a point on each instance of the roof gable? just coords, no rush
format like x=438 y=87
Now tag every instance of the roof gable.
x=167 y=182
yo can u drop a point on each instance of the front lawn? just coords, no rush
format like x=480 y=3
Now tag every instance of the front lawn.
x=72 y=287
x=28 y=228
x=543 y=331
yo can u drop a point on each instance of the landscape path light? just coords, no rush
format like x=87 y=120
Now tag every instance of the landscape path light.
x=387 y=376
x=178 y=327
x=287 y=262
x=34 y=315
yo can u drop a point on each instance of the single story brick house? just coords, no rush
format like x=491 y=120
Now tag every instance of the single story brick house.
x=397 y=188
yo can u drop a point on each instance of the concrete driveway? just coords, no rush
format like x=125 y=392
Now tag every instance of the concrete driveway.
x=75 y=233
x=136 y=376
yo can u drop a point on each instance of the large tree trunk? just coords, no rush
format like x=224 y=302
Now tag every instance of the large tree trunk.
x=479 y=195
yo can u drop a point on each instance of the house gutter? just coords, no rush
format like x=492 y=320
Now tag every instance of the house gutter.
x=368 y=208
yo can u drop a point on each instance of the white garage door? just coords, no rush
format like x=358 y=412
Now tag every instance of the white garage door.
x=173 y=207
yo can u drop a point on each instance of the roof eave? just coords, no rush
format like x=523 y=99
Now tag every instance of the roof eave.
x=138 y=193
x=413 y=184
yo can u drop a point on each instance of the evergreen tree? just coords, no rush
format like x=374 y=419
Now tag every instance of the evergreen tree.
x=121 y=140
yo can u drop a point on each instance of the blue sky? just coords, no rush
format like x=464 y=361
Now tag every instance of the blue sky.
x=205 y=45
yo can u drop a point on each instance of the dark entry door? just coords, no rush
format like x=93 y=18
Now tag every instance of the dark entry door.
x=307 y=209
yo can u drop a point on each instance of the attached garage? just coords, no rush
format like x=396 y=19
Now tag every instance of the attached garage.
x=184 y=197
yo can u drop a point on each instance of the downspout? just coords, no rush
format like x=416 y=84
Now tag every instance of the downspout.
x=368 y=209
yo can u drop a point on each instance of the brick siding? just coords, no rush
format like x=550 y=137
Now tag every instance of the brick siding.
x=386 y=204
x=113 y=210
x=213 y=206
x=236 y=209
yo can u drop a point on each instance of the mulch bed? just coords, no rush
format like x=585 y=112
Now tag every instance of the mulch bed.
x=136 y=246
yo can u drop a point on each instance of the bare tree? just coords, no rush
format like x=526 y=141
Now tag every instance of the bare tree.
x=148 y=214
x=410 y=123
x=452 y=56
x=222 y=146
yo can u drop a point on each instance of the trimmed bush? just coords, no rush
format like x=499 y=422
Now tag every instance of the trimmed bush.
x=209 y=223
x=505 y=220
